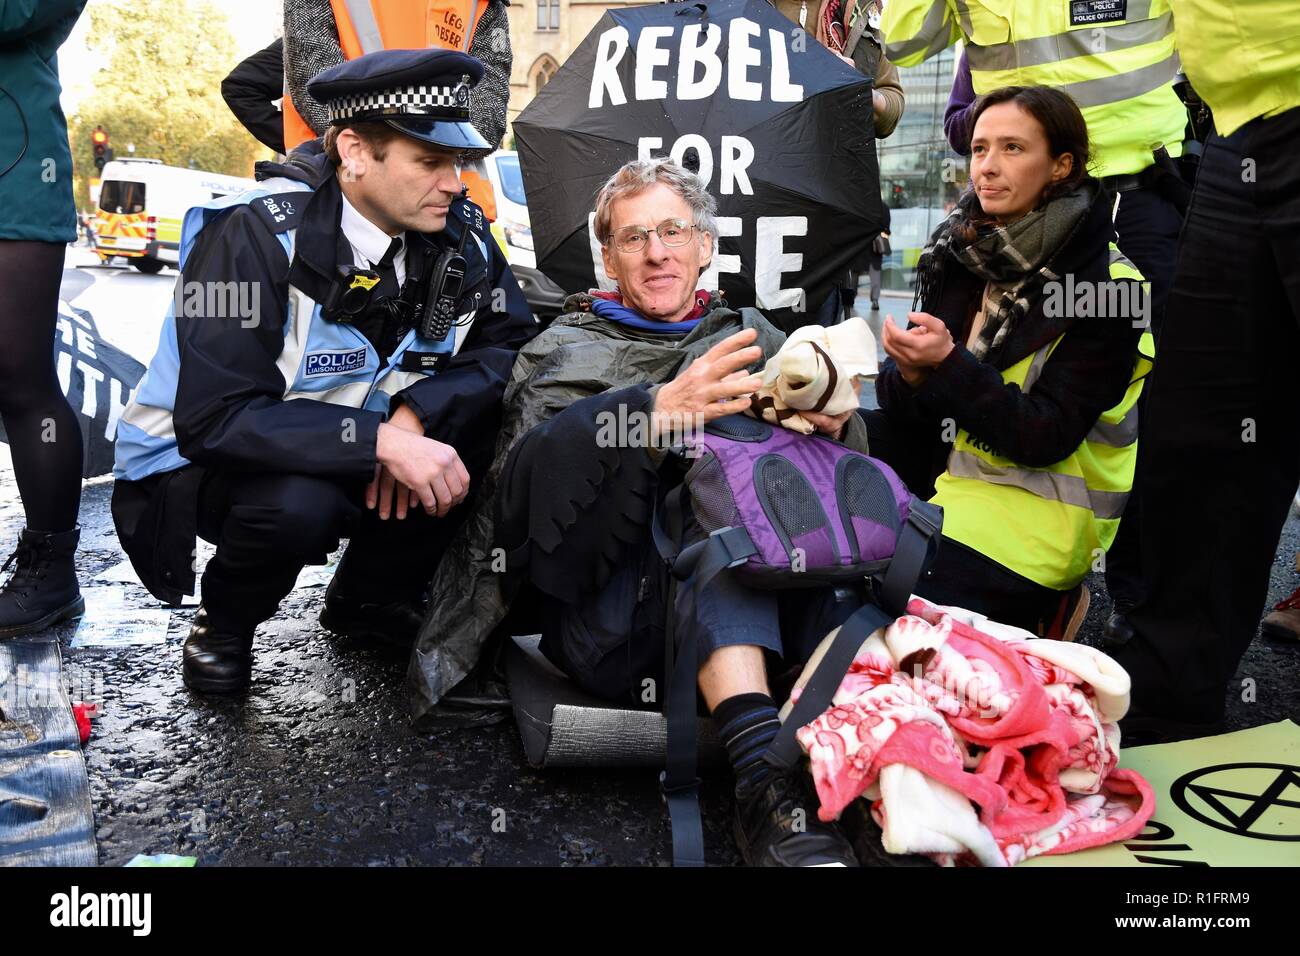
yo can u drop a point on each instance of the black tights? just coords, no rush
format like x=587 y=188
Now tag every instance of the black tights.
x=44 y=434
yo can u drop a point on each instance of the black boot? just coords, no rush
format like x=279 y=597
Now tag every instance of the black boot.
x=217 y=660
x=370 y=599
x=371 y=616
x=43 y=588
x=777 y=825
x=1117 y=631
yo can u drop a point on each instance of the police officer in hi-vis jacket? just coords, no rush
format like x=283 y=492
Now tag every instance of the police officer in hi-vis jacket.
x=332 y=366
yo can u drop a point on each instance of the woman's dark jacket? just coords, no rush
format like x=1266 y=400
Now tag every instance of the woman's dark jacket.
x=1087 y=374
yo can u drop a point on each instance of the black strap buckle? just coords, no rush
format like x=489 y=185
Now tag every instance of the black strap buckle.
x=684 y=789
x=732 y=545
x=925 y=517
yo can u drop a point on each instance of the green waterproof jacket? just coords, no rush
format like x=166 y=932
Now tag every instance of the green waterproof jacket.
x=578 y=356
x=36 y=192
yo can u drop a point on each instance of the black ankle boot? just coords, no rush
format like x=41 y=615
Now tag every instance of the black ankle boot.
x=43 y=588
x=216 y=661
x=386 y=607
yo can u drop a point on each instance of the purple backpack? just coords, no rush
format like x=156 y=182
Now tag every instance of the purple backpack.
x=792 y=510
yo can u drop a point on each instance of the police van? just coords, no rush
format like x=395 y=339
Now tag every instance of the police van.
x=514 y=235
x=141 y=204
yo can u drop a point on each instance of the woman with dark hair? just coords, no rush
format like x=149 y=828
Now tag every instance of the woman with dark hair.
x=1010 y=397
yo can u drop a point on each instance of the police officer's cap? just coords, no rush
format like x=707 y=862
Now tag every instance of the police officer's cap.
x=422 y=93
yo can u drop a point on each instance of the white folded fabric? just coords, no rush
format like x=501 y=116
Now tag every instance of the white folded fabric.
x=814 y=371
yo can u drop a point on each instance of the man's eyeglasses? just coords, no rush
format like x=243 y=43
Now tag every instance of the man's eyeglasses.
x=671 y=232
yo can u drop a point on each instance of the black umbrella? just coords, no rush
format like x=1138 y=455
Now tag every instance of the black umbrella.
x=781 y=128
x=98 y=379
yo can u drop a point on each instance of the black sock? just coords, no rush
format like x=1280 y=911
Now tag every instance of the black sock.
x=747 y=725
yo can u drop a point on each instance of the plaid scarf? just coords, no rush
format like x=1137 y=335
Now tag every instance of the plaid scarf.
x=1016 y=259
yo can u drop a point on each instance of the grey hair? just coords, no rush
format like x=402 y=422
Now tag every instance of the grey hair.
x=638 y=176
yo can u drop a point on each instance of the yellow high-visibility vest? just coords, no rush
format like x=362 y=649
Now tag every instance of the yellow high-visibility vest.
x=1048 y=524
x=1242 y=58
x=1120 y=71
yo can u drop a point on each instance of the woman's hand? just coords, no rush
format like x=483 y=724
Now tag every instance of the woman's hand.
x=919 y=349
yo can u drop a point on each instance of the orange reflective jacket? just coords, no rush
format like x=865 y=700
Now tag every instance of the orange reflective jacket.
x=365 y=26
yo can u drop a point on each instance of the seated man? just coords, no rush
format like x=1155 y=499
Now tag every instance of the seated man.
x=333 y=397
x=573 y=502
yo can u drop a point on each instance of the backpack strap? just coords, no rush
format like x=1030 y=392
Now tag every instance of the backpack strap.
x=855 y=34
x=694 y=566
x=817 y=693
x=917 y=544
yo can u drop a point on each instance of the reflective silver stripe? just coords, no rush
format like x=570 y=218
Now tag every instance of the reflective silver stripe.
x=1117 y=258
x=473 y=7
x=396 y=380
x=297 y=326
x=963 y=15
x=1138 y=10
x=151 y=420
x=1118 y=434
x=1125 y=86
x=1063 y=46
x=934 y=29
x=1049 y=485
x=367 y=27
x=1108 y=504
x=1036 y=367
x=463 y=322
x=353 y=395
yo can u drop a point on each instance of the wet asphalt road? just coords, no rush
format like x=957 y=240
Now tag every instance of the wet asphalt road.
x=319 y=764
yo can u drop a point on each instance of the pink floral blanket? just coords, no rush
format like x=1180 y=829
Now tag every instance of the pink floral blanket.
x=977 y=743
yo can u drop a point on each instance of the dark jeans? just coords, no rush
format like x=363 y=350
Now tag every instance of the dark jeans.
x=612 y=642
x=1223 y=424
x=1147 y=225
x=267 y=527
x=962 y=577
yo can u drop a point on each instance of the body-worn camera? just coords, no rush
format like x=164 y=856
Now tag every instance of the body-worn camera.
x=428 y=298
x=349 y=295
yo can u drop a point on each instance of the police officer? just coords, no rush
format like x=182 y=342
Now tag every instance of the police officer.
x=332 y=366
x=1223 y=423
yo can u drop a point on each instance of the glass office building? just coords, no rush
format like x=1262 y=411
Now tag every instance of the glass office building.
x=920 y=176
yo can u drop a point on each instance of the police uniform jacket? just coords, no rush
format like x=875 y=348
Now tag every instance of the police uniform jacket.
x=288 y=390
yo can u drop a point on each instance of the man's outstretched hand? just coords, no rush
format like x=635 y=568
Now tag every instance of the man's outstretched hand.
x=714 y=385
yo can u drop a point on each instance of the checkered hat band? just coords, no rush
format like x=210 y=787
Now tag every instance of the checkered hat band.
x=437 y=101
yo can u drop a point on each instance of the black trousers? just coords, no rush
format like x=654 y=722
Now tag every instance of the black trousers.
x=267 y=527
x=1223 y=424
x=959 y=576
x=1147 y=225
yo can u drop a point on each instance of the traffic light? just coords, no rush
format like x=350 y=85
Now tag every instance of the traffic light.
x=99 y=142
